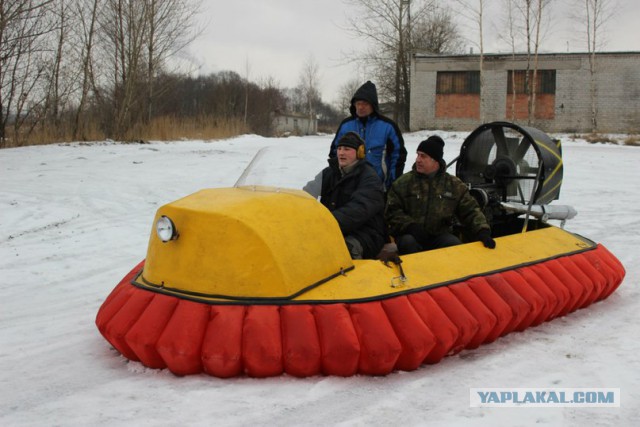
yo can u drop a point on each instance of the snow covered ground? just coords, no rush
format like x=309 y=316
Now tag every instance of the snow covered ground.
x=75 y=218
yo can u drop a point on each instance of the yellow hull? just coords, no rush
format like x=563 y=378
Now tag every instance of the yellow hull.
x=296 y=245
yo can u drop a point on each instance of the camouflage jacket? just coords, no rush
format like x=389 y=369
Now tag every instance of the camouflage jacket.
x=435 y=202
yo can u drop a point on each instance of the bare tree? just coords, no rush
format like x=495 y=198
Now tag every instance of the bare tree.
x=593 y=15
x=345 y=93
x=247 y=69
x=60 y=74
x=540 y=7
x=438 y=34
x=123 y=29
x=23 y=27
x=527 y=24
x=389 y=26
x=268 y=98
x=87 y=13
x=309 y=82
x=136 y=38
x=169 y=23
x=510 y=37
x=473 y=11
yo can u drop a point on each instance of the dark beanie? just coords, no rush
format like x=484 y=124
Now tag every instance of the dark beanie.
x=432 y=146
x=350 y=139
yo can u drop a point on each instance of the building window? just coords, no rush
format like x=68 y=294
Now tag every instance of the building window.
x=545 y=81
x=458 y=95
x=520 y=105
x=458 y=82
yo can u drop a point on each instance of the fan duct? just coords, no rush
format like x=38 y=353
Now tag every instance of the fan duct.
x=505 y=162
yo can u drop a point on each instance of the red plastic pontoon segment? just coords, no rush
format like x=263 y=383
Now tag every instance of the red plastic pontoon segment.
x=443 y=329
x=415 y=337
x=302 y=352
x=338 y=339
x=222 y=346
x=485 y=318
x=373 y=338
x=144 y=335
x=494 y=302
x=379 y=345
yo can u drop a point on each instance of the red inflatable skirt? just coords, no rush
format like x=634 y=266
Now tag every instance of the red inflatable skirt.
x=347 y=338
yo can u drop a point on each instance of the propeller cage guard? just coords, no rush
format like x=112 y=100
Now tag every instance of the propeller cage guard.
x=505 y=162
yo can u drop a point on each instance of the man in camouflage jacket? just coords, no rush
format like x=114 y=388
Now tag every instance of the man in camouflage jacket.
x=423 y=204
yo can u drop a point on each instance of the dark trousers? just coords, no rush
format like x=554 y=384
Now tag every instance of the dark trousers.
x=407 y=244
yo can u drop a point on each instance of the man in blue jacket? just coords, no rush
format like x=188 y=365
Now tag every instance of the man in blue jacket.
x=383 y=139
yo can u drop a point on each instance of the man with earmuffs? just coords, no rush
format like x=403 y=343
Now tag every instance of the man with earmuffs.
x=352 y=190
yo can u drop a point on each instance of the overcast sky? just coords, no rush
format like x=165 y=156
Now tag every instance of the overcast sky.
x=275 y=37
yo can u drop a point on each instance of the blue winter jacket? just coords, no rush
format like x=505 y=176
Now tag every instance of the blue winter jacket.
x=383 y=143
x=382 y=137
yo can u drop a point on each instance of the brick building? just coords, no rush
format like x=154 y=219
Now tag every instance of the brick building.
x=445 y=91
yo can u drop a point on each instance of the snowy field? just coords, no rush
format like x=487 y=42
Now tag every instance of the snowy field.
x=75 y=218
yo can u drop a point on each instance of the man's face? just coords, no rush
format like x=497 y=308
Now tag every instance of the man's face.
x=363 y=108
x=346 y=156
x=426 y=164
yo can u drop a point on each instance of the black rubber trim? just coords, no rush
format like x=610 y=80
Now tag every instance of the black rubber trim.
x=173 y=291
x=227 y=300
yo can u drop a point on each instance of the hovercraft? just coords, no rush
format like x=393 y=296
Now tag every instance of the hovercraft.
x=257 y=281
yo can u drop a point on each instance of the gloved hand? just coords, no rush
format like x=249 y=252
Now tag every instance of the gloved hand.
x=389 y=253
x=484 y=236
x=418 y=232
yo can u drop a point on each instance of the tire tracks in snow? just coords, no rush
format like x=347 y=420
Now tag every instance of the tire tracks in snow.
x=46 y=227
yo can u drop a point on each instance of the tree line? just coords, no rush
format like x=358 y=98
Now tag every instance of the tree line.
x=84 y=68
x=95 y=69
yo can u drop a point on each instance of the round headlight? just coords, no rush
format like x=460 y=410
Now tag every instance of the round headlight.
x=165 y=229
